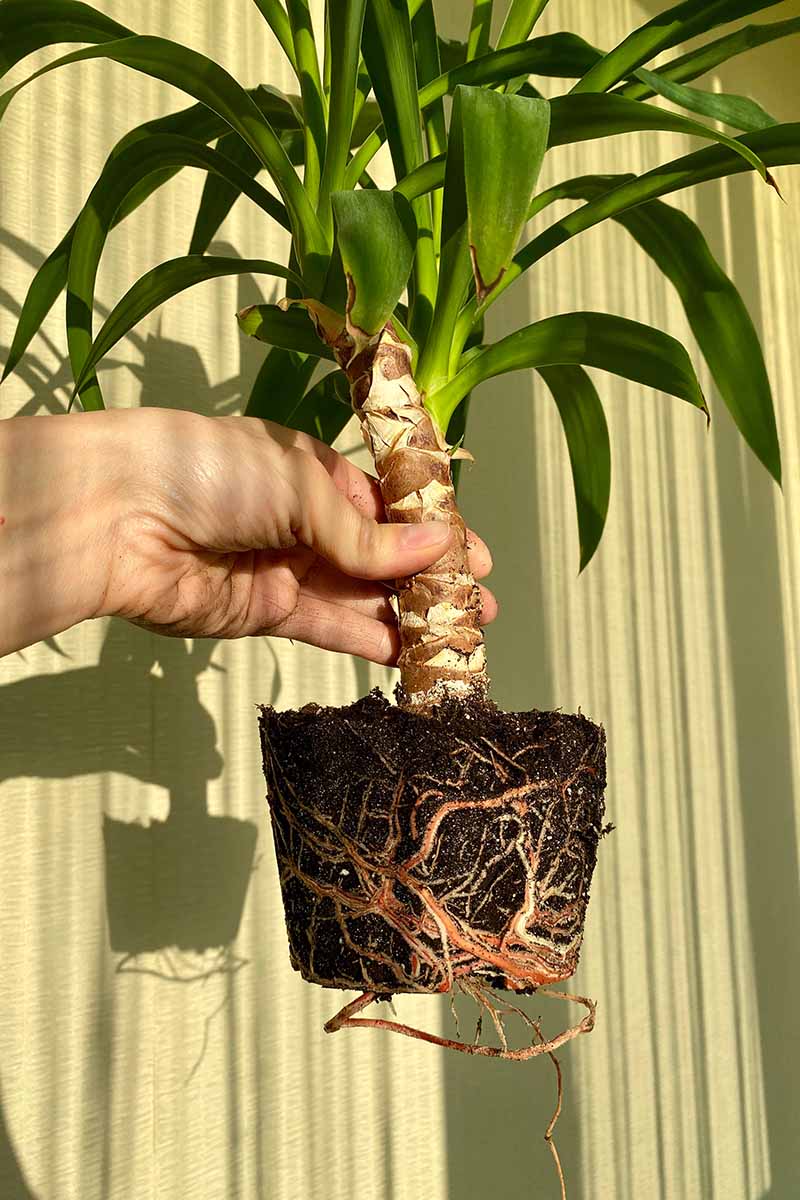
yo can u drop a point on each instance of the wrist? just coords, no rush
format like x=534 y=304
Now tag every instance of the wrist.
x=60 y=491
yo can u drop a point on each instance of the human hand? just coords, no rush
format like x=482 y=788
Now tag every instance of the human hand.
x=234 y=526
x=199 y=527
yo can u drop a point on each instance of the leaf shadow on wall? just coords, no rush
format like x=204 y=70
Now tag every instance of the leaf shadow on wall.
x=175 y=888
x=179 y=883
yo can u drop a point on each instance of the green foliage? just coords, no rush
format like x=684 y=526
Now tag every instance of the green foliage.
x=376 y=237
x=586 y=432
x=450 y=230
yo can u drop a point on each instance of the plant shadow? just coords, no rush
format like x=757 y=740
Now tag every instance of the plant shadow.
x=175 y=888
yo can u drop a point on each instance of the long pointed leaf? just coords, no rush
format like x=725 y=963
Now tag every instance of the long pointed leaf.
x=716 y=312
x=712 y=54
x=590 y=339
x=30 y=25
x=219 y=194
x=375 y=236
x=575 y=118
x=740 y=112
x=314 y=106
x=290 y=330
x=776 y=146
x=275 y=15
x=388 y=49
x=51 y=278
x=280 y=383
x=120 y=177
x=480 y=29
x=586 y=431
x=346 y=21
x=213 y=86
x=426 y=53
x=520 y=19
x=663 y=31
x=161 y=284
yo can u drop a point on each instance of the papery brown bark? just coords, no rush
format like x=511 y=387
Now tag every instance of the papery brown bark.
x=443 y=652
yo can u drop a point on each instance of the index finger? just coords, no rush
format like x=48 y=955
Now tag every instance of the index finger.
x=363 y=491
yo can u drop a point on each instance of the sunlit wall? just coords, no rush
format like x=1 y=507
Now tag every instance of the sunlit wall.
x=132 y=1068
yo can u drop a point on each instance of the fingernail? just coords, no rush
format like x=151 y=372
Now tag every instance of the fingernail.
x=429 y=533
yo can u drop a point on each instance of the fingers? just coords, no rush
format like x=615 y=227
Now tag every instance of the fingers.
x=478 y=555
x=370 y=599
x=346 y=630
x=357 y=544
x=489 y=605
x=363 y=491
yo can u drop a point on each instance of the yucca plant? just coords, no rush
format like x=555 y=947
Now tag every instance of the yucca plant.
x=438 y=843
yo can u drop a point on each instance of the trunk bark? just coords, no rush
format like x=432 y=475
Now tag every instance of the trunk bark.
x=443 y=653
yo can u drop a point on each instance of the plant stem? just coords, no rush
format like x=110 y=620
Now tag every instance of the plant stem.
x=443 y=652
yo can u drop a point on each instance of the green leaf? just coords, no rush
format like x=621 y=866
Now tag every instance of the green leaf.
x=738 y=111
x=280 y=383
x=47 y=285
x=212 y=85
x=426 y=53
x=425 y=178
x=121 y=175
x=314 y=105
x=716 y=312
x=480 y=30
x=663 y=31
x=590 y=339
x=290 y=330
x=389 y=54
x=575 y=118
x=455 y=268
x=197 y=122
x=388 y=49
x=555 y=55
x=30 y=25
x=346 y=20
x=586 y=431
x=376 y=237
x=778 y=145
x=161 y=284
x=324 y=410
x=712 y=54
x=274 y=14
x=220 y=194
x=505 y=138
x=520 y=19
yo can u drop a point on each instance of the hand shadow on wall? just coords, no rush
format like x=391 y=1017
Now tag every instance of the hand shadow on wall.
x=175 y=888
x=13 y=1185
x=177 y=885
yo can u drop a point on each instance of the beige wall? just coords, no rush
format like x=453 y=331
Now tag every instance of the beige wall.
x=205 y=1074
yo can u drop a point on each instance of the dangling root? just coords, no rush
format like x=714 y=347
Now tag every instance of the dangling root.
x=548 y=1133
x=346 y=1019
x=497 y=1007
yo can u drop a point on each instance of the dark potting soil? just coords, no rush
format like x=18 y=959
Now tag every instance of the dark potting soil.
x=418 y=850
